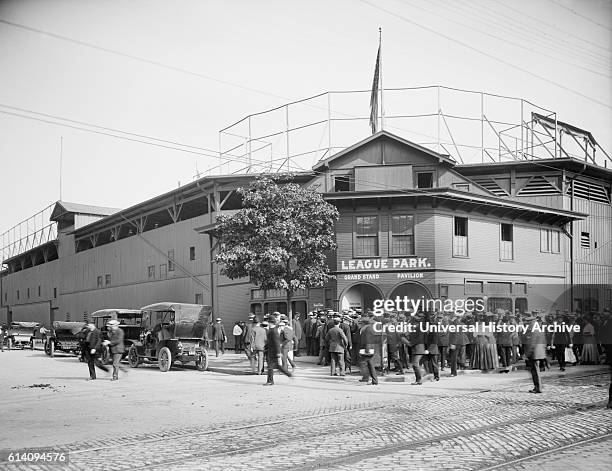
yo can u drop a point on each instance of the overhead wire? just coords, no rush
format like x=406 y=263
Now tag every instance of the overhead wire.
x=486 y=54
x=490 y=16
x=503 y=40
x=560 y=5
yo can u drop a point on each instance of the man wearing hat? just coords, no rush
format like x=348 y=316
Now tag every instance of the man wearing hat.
x=93 y=343
x=416 y=340
x=337 y=341
x=534 y=347
x=116 y=345
x=287 y=341
x=274 y=353
x=310 y=332
x=219 y=337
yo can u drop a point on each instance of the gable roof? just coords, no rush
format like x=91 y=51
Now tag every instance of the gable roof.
x=380 y=135
x=64 y=207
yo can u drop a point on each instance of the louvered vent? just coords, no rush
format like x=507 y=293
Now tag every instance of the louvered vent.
x=590 y=191
x=538 y=186
x=492 y=186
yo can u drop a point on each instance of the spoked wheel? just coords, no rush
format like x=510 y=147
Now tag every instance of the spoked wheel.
x=202 y=361
x=164 y=359
x=133 y=359
x=49 y=348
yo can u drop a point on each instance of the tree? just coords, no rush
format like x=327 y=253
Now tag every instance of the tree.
x=279 y=238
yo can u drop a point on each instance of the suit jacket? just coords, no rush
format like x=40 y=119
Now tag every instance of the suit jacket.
x=258 y=338
x=347 y=331
x=432 y=339
x=297 y=329
x=534 y=344
x=94 y=340
x=336 y=339
x=287 y=338
x=218 y=331
x=116 y=341
x=416 y=340
x=310 y=327
x=273 y=342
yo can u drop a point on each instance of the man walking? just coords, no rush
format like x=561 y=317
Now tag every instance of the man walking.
x=93 y=343
x=273 y=344
x=258 y=346
x=219 y=337
x=287 y=342
x=337 y=341
x=117 y=347
x=534 y=346
x=416 y=340
x=237 y=332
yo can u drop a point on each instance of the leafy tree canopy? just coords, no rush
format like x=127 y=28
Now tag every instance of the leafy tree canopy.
x=279 y=238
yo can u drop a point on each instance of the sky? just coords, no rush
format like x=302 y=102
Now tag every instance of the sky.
x=182 y=71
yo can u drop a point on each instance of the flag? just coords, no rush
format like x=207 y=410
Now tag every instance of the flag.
x=374 y=95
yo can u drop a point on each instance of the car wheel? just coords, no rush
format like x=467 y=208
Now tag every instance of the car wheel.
x=202 y=361
x=133 y=359
x=164 y=359
x=49 y=348
x=31 y=344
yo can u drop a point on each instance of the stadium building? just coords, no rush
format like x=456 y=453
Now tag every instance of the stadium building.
x=520 y=234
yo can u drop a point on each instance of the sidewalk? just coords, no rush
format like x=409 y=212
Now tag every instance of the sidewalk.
x=237 y=364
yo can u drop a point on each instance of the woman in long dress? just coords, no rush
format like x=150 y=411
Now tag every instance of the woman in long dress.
x=590 y=355
x=484 y=352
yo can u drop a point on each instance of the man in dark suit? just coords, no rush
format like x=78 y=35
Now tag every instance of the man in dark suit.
x=337 y=341
x=93 y=343
x=560 y=341
x=274 y=352
x=219 y=337
x=117 y=347
x=416 y=342
x=368 y=342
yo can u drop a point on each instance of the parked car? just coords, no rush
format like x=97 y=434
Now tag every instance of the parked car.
x=63 y=338
x=129 y=321
x=172 y=332
x=20 y=334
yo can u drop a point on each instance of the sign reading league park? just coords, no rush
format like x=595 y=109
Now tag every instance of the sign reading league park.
x=380 y=264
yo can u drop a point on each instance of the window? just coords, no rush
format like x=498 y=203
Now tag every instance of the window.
x=192 y=254
x=257 y=294
x=54 y=293
x=425 y=180
x=499 y=303
x=199 y=298
x=443 y=291
x=163 y=270
x=329 y=298
x=462 y=186
x=171 y=260
x=550 y=241
x=474 y=287
x=151 y=270
x=100 y=282
x=521 y=304
x=402 y=235
x=107 y=279
x=28 y=293
x=39 y=291
x=366 y=236
x=342 y=183
x=506 y=248
x=585 y=240
x=17 y=294
x=460 y=237
x=520 y=288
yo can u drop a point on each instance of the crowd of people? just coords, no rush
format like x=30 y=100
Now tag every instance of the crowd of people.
x=351 y=339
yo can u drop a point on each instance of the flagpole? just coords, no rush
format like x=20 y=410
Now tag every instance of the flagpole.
x=382 y=108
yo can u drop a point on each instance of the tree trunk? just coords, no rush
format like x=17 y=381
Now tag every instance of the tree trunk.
x=289 y=310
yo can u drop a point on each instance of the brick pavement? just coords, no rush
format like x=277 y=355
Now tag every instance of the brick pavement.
x=430 y=427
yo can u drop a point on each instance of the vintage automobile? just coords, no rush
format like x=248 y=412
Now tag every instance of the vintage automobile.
x=63 y=338
x=172 y=332
x=20 y=334
x=129 y=322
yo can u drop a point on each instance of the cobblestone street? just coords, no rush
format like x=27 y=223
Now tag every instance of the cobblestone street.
x=190 y=420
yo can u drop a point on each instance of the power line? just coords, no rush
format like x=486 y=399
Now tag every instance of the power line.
x=505 y=22
x=564 y=32
x=579 y=14
x=486 y=54
x=472 y=28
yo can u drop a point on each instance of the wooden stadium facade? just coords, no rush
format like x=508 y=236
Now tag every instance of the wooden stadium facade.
x=520 y=235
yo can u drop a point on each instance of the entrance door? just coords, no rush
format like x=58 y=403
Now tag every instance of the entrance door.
x=360 y=295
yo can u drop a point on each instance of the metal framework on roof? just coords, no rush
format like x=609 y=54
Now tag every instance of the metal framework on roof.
x=469 y=126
